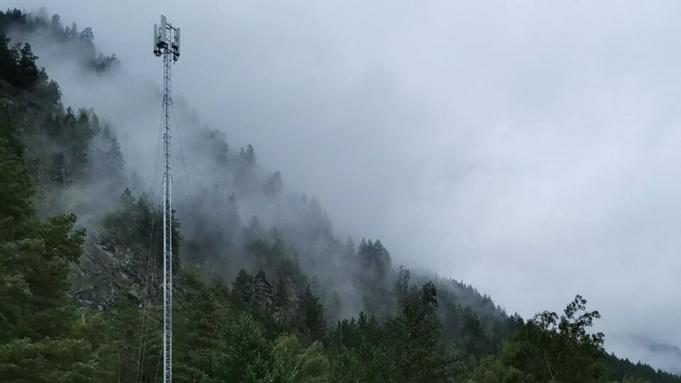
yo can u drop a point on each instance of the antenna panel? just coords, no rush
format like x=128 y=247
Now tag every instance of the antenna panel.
x=155 y=37
x=164 y=30
x=176 y=44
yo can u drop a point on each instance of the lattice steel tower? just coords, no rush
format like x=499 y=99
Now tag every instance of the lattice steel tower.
x=167 y=44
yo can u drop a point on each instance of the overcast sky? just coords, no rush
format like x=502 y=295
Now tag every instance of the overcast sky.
x=530 y=148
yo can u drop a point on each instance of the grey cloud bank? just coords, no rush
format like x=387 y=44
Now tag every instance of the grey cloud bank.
x=528 y=148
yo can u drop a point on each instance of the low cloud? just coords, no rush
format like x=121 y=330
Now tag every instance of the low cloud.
x=527 y=148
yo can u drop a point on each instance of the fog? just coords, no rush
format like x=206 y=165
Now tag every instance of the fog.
x=528 y=148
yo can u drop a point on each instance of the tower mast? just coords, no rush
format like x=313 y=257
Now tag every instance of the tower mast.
x=167 y=44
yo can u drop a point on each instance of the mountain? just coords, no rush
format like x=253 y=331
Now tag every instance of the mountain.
x=264 y=290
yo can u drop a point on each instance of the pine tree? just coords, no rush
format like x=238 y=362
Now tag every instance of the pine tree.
x=39 y=332
x=418 y=352
x=311 y=316
x=15 y=190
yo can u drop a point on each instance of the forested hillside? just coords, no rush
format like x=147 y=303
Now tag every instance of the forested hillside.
x=265 y=291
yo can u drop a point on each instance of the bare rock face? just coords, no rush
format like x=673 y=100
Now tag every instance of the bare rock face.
x=109 y=271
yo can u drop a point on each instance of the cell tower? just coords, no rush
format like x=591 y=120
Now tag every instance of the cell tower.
x=167 y=44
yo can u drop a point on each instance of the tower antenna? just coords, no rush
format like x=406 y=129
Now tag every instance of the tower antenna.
x=167 y=44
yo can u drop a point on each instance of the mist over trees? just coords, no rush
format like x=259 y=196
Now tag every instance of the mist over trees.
x=264 y=290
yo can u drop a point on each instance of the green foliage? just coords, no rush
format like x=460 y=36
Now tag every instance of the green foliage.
x=311 y=320
x=408 y=348
x=41 y=339
x=216 y=343
x=136 y=341
x=249 y=353
x=201 y=322
x=374 y=277
x=15 y=192
x=359 y=352
x=17 y=64
x=79 y=44
x=34 y=270
x=624 y=370
x=559 y=349
x=137 y=222
x=294 y=363
x=492 y=370
x=47 y=360
x=418 y=350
